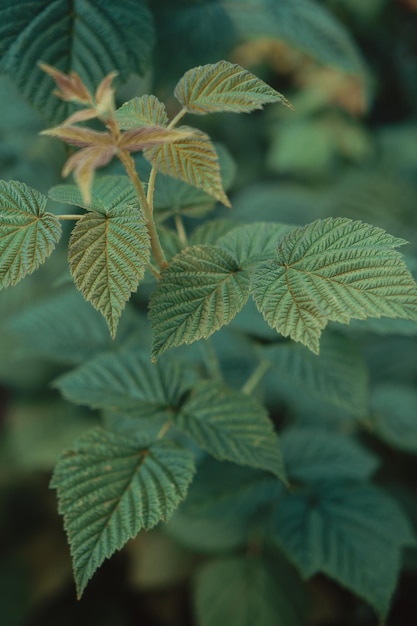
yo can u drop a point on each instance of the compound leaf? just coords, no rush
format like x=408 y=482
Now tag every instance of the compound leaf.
x=108 y=252
x=333 y=269
x=193 y=160
x=110 y=487
x=337 y=375
x=126 y=382
x=249 y=590
x=342 y=529
x=231 y=426
x=107 y=193
x=253 y=243
x=28 y=233
x=224 y=86
x=201 y=291
x=142 y=111
x=92 y=39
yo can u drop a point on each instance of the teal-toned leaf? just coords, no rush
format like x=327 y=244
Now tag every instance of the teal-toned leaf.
x=126 y=382
x=305 y=24
x=351 y=532
x=201 y=291
x=337 y=375
x=193 y=161
x=28 y=234
x=312 y=455
x=333 y=269
x=394 y=407
x=108 y=253
x=231 y=426
x=249 y=590
x=143 y=111
x=224 y=86
x=107 y=193
x=211 y=231
x=110 y=487
x=253 y=243
x=90 y=39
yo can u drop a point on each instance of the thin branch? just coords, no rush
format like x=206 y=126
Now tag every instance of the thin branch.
x=164 y=429
x=180 y=229
x=255 y=378
x=177 y=118
x=69 y=217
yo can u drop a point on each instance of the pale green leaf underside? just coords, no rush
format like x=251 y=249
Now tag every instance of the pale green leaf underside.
x=333 y=270
x=343 y=530
x=247 y=591
x=125 y=382
x=107 y=193
x=224 y=86
x=141 y=111
x=28 y=234
x=107 y=255
x=201 y=291
x=192 y=160
x=110 y=487
x=231 y=426
x=337 y=375
x=92 y=39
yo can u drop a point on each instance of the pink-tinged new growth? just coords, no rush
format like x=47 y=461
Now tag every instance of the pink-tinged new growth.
x=71 y=87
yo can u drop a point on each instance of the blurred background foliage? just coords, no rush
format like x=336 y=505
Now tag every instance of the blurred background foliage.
x=349 y=149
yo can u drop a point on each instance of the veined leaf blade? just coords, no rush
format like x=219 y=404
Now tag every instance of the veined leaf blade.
x=141 y=111
x=107 y=192
x=231 y=426
x=224 y=86
x=193 y=160
x=201 y=291
x=110 y=487
x=28 y=233
x=333 y=270
x=107 y=255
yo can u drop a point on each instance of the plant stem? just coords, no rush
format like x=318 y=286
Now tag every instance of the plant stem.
x=151 y=188
x=255 y=377
x=180 y=229
x=177 y=118
x=154 y=271
x=211 y=360
x=164 y=429
x=69 y=217
x=129 y=165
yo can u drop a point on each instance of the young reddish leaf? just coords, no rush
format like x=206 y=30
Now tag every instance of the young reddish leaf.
x=80 y=137
x=84 y=162
x=150 y=136
x=71 y=87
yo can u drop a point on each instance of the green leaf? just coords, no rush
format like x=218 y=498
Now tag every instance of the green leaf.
x=28 y=235
x=211 y=231
x=126 y=382
x=337 y=375
x=305 y=24
x=312 y=455
x=343 y=530
x=143 y=111
x=201 y=291
x=107 y=193
x=394 y=407
x=231 y=426
x=90 y=39
x=192 y=160
x=224 y=86
x=249 y=590
x=107 y=253
x=253 y=243
x=333 y=269
x=110 y=487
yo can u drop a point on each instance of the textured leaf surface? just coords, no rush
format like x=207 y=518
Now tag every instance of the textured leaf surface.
x=253 y=243
x=312 y=455
x=333 y=269
x=305 y=24
x=143 y=111
x=193 y=160
x=126 y=382
x=201 y=291
x=224 y=86
x=244 y=591
x=232 y=427
x=110 y=487
x=395 y=415
x=92 y=39
x=107 y=193
x=108 y=252
x=337 y=375
x=28 y=234
x=342 y=530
